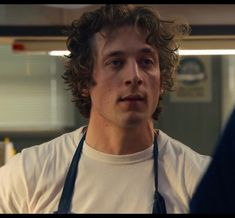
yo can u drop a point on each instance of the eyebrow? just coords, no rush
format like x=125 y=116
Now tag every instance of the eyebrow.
x=142 y=51
x=148 y=51
x=114 y=53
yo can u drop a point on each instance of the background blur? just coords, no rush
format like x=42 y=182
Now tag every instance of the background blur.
x=36 y=107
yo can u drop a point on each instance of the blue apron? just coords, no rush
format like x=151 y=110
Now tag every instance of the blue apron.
x=67 y=193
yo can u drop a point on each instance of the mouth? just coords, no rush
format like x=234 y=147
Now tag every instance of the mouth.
x=132 y=97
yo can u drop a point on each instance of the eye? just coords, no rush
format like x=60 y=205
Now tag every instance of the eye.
x=115 y=63
x=146 y=62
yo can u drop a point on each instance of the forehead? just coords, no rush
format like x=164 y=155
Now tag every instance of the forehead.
x=127 y=38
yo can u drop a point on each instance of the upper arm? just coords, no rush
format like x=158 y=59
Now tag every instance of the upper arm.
x=13 y=191
x=195 y=167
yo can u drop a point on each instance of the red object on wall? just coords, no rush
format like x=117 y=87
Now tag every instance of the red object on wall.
x=18 y=47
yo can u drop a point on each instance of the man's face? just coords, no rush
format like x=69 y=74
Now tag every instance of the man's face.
x=127 y=76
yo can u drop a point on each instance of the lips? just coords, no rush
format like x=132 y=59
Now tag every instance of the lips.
x=132 y=97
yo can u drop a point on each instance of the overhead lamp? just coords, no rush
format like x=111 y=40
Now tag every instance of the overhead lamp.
x=181 y=52
x=207 y=52
x=59 y=53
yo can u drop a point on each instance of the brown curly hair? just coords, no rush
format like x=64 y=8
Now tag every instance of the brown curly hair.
x=161 y=34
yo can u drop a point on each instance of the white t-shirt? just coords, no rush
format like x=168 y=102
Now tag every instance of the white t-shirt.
x=32 y=181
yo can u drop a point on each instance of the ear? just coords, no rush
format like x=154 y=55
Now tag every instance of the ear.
x=85 y=93
x=162 y=91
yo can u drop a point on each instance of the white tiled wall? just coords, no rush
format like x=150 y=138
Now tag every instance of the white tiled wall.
x=32 y=93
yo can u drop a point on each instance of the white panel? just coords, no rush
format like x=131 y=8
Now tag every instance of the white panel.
x=228 y=87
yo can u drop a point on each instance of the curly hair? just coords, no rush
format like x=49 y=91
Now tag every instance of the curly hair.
x=164 y=35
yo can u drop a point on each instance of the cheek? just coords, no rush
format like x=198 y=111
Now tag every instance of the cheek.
x=154 y=83
x=102 y=93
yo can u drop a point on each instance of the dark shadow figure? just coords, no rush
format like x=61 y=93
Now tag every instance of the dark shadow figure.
x=216 y=191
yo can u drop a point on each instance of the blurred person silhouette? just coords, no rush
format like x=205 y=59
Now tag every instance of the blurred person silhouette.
x=216 y=191
x=122 y=61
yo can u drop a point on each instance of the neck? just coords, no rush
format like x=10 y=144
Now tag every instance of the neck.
x=112 y=139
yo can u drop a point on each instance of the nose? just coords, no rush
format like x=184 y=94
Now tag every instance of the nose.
x=133 y=74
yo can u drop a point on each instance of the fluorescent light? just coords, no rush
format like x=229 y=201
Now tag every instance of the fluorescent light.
x=59 y=53
x=208 y=52
x=181 y=52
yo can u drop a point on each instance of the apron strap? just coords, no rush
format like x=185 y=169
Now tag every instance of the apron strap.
x=159 y=206
x=66 y=197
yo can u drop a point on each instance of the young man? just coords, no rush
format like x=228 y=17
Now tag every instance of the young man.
x=122 y=61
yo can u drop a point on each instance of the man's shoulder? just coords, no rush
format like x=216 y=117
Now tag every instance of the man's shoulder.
x=171 y=146
x=63 y=144
x=182 y=162
x=54 y=154
x=167 y=142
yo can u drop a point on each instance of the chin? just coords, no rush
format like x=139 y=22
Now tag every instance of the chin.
x=133 y=121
